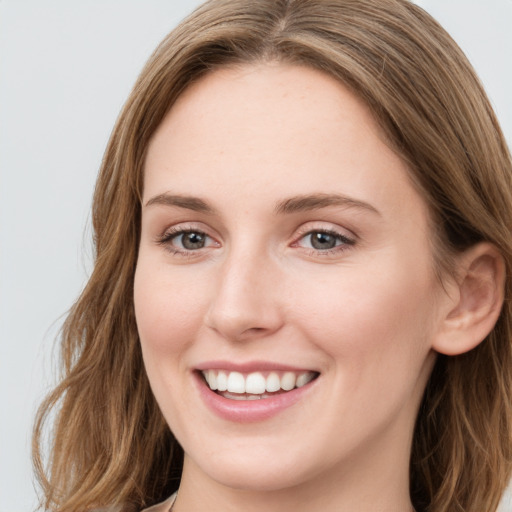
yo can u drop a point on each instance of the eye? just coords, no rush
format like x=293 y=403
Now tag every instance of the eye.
x=324 y=241
x=185 y=241
x=189 y=240
x=321 y=241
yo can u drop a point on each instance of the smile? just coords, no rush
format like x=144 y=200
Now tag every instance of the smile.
x=255 y=385
x=253 y=392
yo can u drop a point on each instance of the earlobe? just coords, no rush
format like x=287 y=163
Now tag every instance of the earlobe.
x=476 y=304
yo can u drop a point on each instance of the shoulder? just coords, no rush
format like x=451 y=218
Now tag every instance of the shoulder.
x=165 y=506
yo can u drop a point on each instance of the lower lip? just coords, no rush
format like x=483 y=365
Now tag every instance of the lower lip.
x=248 y=411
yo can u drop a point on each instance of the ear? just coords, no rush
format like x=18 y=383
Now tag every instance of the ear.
x=474 y=300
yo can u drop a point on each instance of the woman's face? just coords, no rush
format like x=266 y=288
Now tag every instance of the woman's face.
x=283 y=245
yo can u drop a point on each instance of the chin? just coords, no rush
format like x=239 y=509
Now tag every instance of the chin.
x=257 y=480
x=256 y=475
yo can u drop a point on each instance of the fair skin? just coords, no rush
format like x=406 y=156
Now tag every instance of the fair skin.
x=280 y=234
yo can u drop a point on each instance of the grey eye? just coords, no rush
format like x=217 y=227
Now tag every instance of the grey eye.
x=191 y=240
x=322 y=241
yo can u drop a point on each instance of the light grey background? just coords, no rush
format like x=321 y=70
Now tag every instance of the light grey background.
x=65 y=69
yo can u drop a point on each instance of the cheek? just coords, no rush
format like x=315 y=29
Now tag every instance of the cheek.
x=375 y=318
x=374 y=328
x=168 y=308
x=168 y=317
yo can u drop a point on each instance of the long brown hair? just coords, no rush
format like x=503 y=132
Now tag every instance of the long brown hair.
x=110 y=443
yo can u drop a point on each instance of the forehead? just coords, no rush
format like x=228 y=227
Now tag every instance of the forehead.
x=280 y=100
x=274 y=129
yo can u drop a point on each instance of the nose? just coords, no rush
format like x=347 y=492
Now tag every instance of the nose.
x=245 y=304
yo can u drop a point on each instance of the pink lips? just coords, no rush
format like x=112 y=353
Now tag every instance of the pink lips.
x=245 y=411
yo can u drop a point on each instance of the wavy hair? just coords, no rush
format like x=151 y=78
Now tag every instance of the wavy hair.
x=110 y=443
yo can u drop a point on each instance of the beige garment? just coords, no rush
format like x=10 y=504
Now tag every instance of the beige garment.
x=165 y=506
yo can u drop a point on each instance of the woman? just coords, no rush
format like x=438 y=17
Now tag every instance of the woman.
x=301 y=292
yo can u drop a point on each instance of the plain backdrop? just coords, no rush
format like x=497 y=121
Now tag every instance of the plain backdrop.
x=66 y=68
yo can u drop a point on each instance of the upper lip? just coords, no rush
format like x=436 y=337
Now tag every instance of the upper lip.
x=250 y=366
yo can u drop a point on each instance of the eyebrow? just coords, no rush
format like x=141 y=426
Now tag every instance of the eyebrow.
x=189 y=202
x=296 y=204
x=317 y=201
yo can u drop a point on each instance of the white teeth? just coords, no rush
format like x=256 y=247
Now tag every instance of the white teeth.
x=236 y=382
x=273 y=382
x=236 y=396
x=254 y=385
x=288 y=381
x=303 y=379
x=212 y=379
x=222 y=381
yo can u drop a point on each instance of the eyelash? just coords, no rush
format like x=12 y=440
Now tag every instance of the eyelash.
x=174 y=232
x=346 y=242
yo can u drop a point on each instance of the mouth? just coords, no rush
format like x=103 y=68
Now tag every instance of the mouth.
x=254 y=391
x=258 y=385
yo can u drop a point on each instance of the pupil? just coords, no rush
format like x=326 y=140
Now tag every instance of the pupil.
x=323 y=241
x=193 y=240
